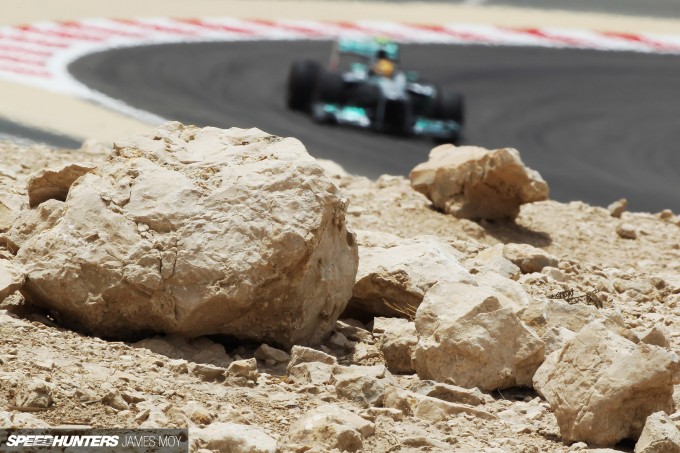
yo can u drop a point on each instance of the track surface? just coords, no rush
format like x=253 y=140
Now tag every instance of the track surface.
x=597 y=125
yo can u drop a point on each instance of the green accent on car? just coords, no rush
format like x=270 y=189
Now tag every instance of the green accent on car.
x=369 y=48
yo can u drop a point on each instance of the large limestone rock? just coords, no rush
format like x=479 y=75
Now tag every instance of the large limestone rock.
x=473 y=182
x=466 y=335
x=392 y=281
x=199 y=231
x=602 y=387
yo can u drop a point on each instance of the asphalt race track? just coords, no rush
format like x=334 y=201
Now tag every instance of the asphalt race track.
x=597 y=125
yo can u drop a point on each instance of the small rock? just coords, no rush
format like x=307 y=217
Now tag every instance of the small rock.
x=492 y=260
x=35 y=393
x=353 y=332
x=626 y=231
x=197 y=413
x=618 y=207
x=398 y=339
x=528 y=258
x=660 y=435
x=338 y=340
x=331 y=427
x=208 y=372
x=115 y=400
x=447 y=392
x=657 y=335
x=266 y=352
x=244 y=368
x=232 y=437
x=360 y=384
x=302 y=354
x=311 y=373
x=666 y=214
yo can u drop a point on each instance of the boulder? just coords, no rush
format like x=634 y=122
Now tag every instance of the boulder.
x=472 y=182
x=232 y=437
x=660 y=435
x=602 y=387
x=398 y=339
x=55 y=183
x=529 y=258
x=331 y=427
x=193 y=232
x=12 y=277
x=467 y=337
x=391 y=281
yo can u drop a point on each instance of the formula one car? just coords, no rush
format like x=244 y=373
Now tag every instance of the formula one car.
x=362 y=87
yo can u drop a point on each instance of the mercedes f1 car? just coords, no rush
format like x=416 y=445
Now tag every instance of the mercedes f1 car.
x=362 y=87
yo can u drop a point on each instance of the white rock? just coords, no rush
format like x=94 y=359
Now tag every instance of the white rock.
x=193 y=232
x=657 y=336
x=466 y=336
x=361 y=384
x=626 y=231
x=398 y=339
x=232 y=437
x=55 y=183
x=601 y=386
x=330 y=426
x=12 y=277
x=447 y=392
x=514 y=294
x=266 y=352
x=34 y=394
x=660 y=435
x=392 y=281
x=492 y=259
x=528 y=258
x=555 y=337
x=302 y=354
x=472 y=182
x=618 y=207
x=246 y=368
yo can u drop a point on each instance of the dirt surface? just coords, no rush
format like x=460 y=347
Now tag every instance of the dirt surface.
x=176 y=386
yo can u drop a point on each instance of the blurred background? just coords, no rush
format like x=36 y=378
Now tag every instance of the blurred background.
x=597 y=113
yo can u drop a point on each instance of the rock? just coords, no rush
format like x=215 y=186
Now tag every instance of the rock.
x=12 y=277
x=398 y=339
x=555 y=337
x=429 y=408
x=514 y=294
x=311 y=373
x=528 y=258
x=232 y=437
x=657 y=336
x=21 y=420
x=35 y=394
x=54 y=184
x=660 y=435
x=601 y=386
x=338 y=340
x=198 y=350
x=361 y=384
x=356 y=333
x=193 y=232
x=618 y=207
x=447 y=392
x=31 y=222
x=197 y=413
x=302 y=354
x=626 y=231
x=244 y=368
x=391 y=281
x=467 y=337
x=332 y=168
x=115 y=400
x=492 y=260
x=471 y=182
x=208 y=373
x=329 y=426
x=546 y=314
x=266 y=352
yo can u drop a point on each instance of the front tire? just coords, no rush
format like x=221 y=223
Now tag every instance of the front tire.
x=449 y=106
x=301 y=84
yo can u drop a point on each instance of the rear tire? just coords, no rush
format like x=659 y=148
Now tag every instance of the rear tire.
x=301 y=84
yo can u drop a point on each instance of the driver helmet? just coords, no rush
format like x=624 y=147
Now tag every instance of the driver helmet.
x=383 y=66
